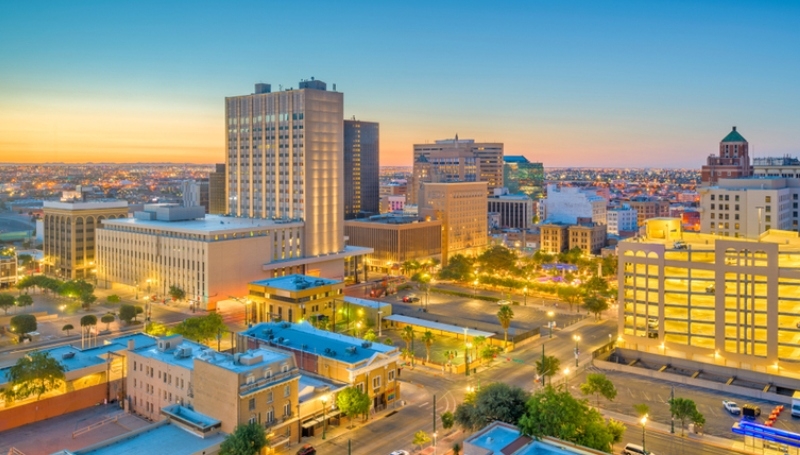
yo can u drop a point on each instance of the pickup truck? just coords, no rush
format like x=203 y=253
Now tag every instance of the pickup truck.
x=731 y=407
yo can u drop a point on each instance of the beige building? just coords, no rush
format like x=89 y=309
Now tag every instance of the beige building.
x=217 y=197
x=554 y=237
x=712 y=299
x=395 y=239
x=462 y=208
x=647 y=208
x=589 y=237
x=293 y=298
x=70 y=231
x=370 y=367
x=8 y=270
x=456 y=160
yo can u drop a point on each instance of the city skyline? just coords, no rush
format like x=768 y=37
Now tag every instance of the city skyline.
x=614 y=85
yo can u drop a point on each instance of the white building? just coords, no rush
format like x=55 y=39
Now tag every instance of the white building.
x=516 y=210
x=565 y=204
x=749 y=207
x=783 y=166
x=622 y=219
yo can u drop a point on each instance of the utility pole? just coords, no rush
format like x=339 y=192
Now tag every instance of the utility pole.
x=544 y=375
x=672 y=421
x=434 y=413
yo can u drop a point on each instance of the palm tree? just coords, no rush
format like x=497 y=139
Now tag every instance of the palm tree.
x=408 y=336
x=505 y=315
x=427 y=338
x=478 y=341
x=406 y=267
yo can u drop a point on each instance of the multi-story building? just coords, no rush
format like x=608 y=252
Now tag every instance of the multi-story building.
x=195 y=193
x=285 y=160
x=370 y=367
x=565 y=204
x=217 y=198
x=293 y=298
x=587 y=236
x=362 y=168
x=784 y=166
x=712 y=299
x=749 y=207
x=522 y=176
x=462 y=209
x=516 y=210
x=554 y=237
x=395 y=239
x=454 y=160
x=8 y=269
x=622 y=219
x=209 y=257
x=648 y=207
x=733 y=160
x=70 y=229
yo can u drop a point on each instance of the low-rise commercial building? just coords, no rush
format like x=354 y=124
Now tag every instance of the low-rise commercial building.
x=516 y=210
x=648 y=207
x=589 y=237
x=8 y=270
x=292 y=298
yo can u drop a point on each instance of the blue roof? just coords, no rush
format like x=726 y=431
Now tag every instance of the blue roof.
x=196 y=419
x=164 y=439
x=515 y=159
x=295 y=282
x=374 y=304
x=304 y=337
x=140 y=340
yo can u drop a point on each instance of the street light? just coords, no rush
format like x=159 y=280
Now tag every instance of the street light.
x=324 y=400
x=475 y=287
x=434 y=442
x=644 y=422
x=550 y=315
x=380 y=312
x=466 y=355
x=525 y=294
x=566 y=376
x=577 y=339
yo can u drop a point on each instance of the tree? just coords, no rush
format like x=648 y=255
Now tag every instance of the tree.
x=556 y=413
x=698 y=420
x=570 y=294
x=113 y=298
x=448 y=419
x=682 y=409
x=24 y=300
x=459 y=268
x=408 y=336
x=479 y=341
x=500 y=259
x=596 y=285
x=370 y=336
x=87 y=299
x=421 y=438
x=24 y=259
x=427 y=338
x=595 y=304
x=497 y=401
x=456 y=448
x=641 y=409
x=6 y=302
x=177 y=293
x=87 y=322
x=108 y=318
x=547 y=367
x=127 y=313
x=201 y=328
x=246 y=439
x=617 y=430
x=388 y=341
x=67 y=328
x=139 y=310
x=598 y=384
x=23 y=323
x=35 y=374
x=505 y=315
x=352 y=402
x=489 y=352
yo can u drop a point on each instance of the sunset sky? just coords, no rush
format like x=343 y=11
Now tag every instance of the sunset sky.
x=581 y=83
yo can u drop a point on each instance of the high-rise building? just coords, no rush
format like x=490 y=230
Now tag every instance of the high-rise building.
x=462 y=207
x=733 y=160
x=195 y=193
x=522 y=176
x=285 y=160
x=362 y=168
x=456 y=160
x=69 y=235
x=217 y=198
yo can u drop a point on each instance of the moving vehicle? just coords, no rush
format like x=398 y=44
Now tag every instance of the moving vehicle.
x=633 y=449
x=399 y=452
x=410 y=298
x=751 y=411
x=731 y=407
x=504 y=302
x=307 y=450
x=796 y=404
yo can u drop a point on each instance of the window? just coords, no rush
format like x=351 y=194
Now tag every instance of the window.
x=736 y=198
x=712 y=197
x=269 y=396
x=376 y=382
x=269 y=416
x=360 y=386
x=287 y=409
x=713 y=206
x=712 y=215
x=768 y=209
x=287 y=390
x=267 y=374
x=252 y=404
x=767 y=199
x=284 y=368
x=768 y=218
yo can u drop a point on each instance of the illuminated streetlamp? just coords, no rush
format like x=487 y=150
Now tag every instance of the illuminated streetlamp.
x=434 y=442
x=577 y=339
x=550 y=315
x=644 y=423
x=525 y=294
x=566 y=376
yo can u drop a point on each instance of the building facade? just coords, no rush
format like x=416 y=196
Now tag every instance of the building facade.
x=784 y=166
x=293 y=298
x=395 y=240
x=462 y=209
x=8 y=270
x=362 y=168
x=217 y=197
x=749 y=207
x=647 y=207
x=454 y=160
x=565 y=204
x=516 y=210
x=712 y=299
x=554 y=237
x=285 y=160
x=195 y=193
x=733 y=160
x=522 y=176
x=589 y=237
x=623 y=219
x=70 y=231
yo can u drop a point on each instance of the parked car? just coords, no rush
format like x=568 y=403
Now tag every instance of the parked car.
x=731 y=407
x=399 y=452
x=751 y=411
x=504 y=302
x=307 y=450
x=633 y=449
x=410 y=298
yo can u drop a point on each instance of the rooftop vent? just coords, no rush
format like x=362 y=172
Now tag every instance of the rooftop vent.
x=351 y=350
x=68 y=355
x=366 y=344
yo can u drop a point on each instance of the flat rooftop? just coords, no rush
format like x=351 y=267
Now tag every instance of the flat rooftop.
x=168 y=356
x=164 y=439
x=304 y=337
x=266 y=356
x=295 y=282
x=788 y=241
x=310 y=387
x=211 y=224
x=438 y=326
x=374 y=304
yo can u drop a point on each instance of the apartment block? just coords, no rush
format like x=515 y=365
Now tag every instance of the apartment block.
x=622 y=219
x=395 y=239
x=589 y=237
x=462 y=209
x=648 y=207
x=70 y=231
x=554 y=237
x=370 y=367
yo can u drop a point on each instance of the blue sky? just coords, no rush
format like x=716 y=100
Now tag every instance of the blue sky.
x=616 y=83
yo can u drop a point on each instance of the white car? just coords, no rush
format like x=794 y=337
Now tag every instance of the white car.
x=399 y=452
x=504 y=302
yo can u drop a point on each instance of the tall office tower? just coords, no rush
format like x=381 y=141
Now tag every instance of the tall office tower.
x=285 y=160
x=733 y=160
x=217 y=200
x=522 y=176
x=463 y=210
x=456 y=160
x=362 y=168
